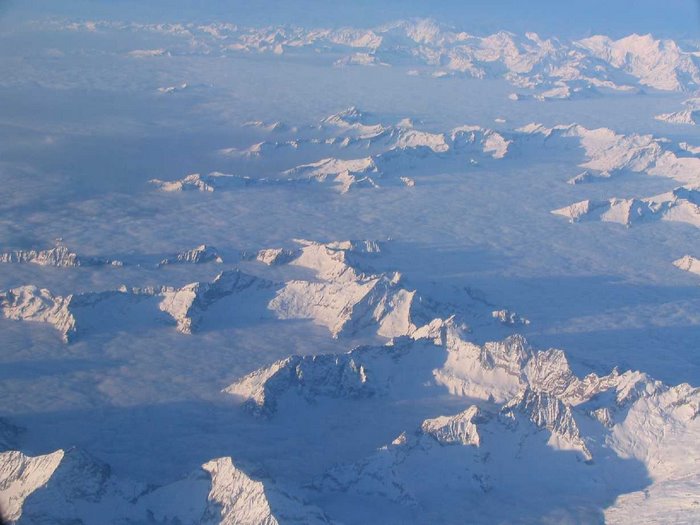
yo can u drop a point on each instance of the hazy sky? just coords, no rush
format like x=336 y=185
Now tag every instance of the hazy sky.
x=679 y=18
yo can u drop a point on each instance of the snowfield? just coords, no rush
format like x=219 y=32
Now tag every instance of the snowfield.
x=275 y=273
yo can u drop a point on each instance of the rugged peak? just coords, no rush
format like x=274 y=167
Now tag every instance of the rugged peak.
x=546 y=411
x=460 y=429
x=20 y=476
x=59 y=256
x=186 y=304
x=236 y=497
x=509 y=354
x=275 y=256
x=198 y=255
x=34 y=304
x=309 y=376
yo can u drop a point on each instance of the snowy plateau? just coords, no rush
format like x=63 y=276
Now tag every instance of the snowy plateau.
x=265 y=267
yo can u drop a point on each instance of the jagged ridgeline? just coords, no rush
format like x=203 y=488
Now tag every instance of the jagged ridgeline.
x=496 y=412
x=459 y=335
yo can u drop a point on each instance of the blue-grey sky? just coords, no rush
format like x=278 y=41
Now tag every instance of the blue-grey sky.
x=571 y=18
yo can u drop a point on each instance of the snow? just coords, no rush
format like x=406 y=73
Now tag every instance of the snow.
x=273 y=256
x=334 y=167
x=688 y=263
x=59 y=256
x=198 y=255
x=33 y=304
x=186 y=305
x=687 y=116
x=535 y=390
x=245 y=501
x=197 y=182
x=394 y=326
x=21 y=475
x=656 y=63
x=459 y=429
x=680 y=205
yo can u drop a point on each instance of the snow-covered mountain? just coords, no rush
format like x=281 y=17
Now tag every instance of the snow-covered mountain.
x=607 y=152
x=689 y=115
x=59 y=256
x=525 y=410
x=400 y=148
x=660 y=64
x=397 y=324
x=681 y=205
x=29 y=303
x=556 y=68
x=81 y=312
x=396 y=149
x=688 y=263
x=339 y=296
x=686 y=116
x=71 y=486
x=188 y=304
x=621 y=433
x=205 y=183
x=198 y=255
x=346 y=173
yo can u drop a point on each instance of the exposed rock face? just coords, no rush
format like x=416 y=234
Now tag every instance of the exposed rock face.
x=348 y=307
x=532 y=386
x=309 y=376
x=334 y=167
x=521 y=409
x=400 y=145
x=409 y=138
x=46 y=488
x=546 y=411
x=480 y=425
x=535 y=414
x=473 y=452
x=460 y=429
x=496 y=371
x=59 y=256
x=608 y=152
x=241 y=499
x=187 y=304
x=74 y=313
x=200 y=254
x=275 y=256
x=30 y=303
